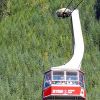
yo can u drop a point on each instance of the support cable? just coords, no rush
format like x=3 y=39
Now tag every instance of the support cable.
x=74 y=7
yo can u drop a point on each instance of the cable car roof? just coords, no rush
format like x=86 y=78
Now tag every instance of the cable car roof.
x=68 y=70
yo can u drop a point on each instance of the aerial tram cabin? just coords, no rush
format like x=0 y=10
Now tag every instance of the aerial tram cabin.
x=64 y=85
x=66 y=82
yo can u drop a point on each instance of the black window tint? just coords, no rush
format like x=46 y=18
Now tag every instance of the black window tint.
x=71 y=76
x=81 y=79
x=58 y=75
x=47 y=81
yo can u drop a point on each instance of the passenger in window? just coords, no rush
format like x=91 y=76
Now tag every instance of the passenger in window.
x=48 y=80
x=47 y=83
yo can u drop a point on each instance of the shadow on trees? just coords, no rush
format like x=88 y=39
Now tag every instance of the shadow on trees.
x=97 y=9
x=3 y=7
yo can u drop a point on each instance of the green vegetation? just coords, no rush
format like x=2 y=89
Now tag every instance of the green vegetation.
x=32 y=39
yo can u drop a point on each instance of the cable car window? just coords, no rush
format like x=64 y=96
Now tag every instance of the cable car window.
x=58 y=75
x=47 y=79
x=81 y=79
x=71 y=76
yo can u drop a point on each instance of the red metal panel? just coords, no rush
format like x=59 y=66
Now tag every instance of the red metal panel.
x=47 y=92
x=64 y=90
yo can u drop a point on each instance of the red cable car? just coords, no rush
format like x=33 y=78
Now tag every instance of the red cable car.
x=66 y=82
x=64 y=85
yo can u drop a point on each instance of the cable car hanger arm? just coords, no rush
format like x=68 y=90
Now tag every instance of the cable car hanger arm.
x=75 y=62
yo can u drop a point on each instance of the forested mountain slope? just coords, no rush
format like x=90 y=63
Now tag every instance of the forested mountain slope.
x=32 y=39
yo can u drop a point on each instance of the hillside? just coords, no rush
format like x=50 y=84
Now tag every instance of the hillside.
x=32 y=39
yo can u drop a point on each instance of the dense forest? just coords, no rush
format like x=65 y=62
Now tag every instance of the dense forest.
x=33 y=39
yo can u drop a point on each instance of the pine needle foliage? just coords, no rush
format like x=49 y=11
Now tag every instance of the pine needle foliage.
x=33 y=39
